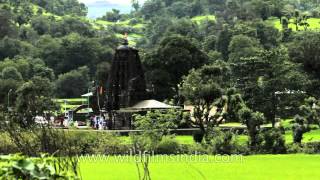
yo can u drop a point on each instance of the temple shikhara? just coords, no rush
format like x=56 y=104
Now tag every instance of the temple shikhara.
x=124 y=88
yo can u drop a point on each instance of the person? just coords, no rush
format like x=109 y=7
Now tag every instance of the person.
x=97 y=119
x=92 y=121
x=102 y=123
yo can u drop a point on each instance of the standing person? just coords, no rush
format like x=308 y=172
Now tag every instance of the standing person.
x=92 y=121
x=97 y=122
x=103 y=122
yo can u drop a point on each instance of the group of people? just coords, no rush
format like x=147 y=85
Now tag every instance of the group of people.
x=98 y=122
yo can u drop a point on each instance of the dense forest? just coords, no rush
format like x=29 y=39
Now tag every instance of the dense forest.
x=266 y=50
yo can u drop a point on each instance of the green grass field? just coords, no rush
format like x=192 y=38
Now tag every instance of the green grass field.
x=314 y=24
x=260 y=167
x=311 y=136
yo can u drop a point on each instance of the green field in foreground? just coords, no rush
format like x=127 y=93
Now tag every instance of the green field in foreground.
x=311 y=136
x=250 y=167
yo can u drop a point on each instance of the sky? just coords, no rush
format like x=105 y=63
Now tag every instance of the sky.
x=97 y=8
x=115 y=2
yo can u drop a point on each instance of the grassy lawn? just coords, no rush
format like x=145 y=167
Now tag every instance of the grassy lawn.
x=200 y=19
x=313 y=135
x=267 y=167
x=314 y=24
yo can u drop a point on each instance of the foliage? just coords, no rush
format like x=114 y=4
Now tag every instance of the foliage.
x=273 y=142
x=310 y=111
x=154 y=125
x=202 y=90
x=223 y=143
x=33 y=99
x=73 y=83
x=242 y=46
x=11 y=73
x=20 y=167
x=298 y=129
x=173 y=51
x=253 y=121
x=168 y=145
x=112 y=16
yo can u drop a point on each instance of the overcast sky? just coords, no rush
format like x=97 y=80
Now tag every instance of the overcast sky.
x=119 y=2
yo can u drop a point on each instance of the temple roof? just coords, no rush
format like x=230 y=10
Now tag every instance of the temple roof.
x=149 y=105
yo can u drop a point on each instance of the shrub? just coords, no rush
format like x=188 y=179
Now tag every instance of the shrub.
x=133 y=21
x=294 y=148
x=223 y=143
x=20 y=167
x=273 y=142
x=6 y=145
x=312 y=148
x=198 y=136
x=196 y=148
x=97 y=143
x=110 y=144
x=168 y=145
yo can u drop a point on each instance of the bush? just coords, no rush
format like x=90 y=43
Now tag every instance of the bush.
x=97 y=143
x=294 y=148
x=195 y=148
x=6 y=145
x=110 y=144
x=20 y=167
x=198 y=136
x=273 y=142
x=62 y=143
x=308 y=148
x=312 y=148
x=168 y=145
x=133 y=21
x=224 y=143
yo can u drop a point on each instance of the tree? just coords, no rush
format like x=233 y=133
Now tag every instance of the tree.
x=6 y=86
x=202 y=89
x=298 y=129
x=268 y=35
x=262 y=9
x=77 y=51
x=305 y=49
x=209 y=43
x=242 y=46
x=49 y=51
x=310 y=111
x=11 y=73
x=151 y=8
x=234 y=103
x=179 y=9
x=253 y=121
x=261 y=77
x=112 y=16
x=303 y=21
x=70 y=25
x=223 y=41
x=7 y=26
x=135 y=5
x=73 y=84
x=41 y=24
x=174 y=51
x=34 y=99
x=24 y=15
x=10 y=47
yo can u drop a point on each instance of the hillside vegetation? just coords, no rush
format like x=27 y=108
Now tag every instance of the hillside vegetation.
x=54 y=42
